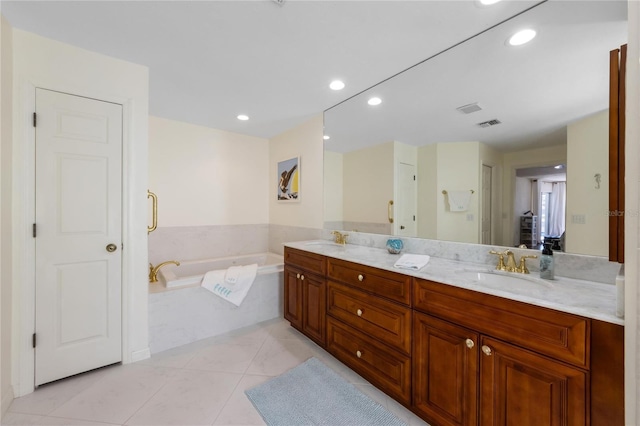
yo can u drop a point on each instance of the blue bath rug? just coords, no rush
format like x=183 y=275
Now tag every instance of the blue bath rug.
x=313 y=394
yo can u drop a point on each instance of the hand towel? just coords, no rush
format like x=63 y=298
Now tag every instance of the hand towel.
x=459 y=200
x=412 y=261
x=232 y=274
x=215 y=282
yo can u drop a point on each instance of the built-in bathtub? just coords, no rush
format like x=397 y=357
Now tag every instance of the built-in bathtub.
x=185 y=312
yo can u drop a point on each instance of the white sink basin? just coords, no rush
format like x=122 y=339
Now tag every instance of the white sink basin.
x=323 y=243
x=506 y=281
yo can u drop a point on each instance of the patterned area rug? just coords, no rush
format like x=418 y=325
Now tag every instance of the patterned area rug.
x=313 y=394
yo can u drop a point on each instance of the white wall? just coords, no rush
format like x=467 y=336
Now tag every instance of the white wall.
x=458 y=170
x=205 y=176
x=369 y=183
x=588 y=154
x=41 y=62
x=6 y=99
x=428 y=191
x=632 y=205
x=306 y=142
x=523 y=159
x=333 y=183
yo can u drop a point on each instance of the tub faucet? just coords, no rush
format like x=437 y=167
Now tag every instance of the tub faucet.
x=153 y=270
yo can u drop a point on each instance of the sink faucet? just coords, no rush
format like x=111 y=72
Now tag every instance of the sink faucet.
x=153 y=270
x=339 y=237
x=511 y=262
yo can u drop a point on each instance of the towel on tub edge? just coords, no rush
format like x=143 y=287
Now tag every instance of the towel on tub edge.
x=236 y=288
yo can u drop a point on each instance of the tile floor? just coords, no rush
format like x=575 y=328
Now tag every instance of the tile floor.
x=202 y=383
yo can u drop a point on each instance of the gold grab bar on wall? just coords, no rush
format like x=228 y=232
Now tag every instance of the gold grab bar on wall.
x=390 y=211
x=154 y=200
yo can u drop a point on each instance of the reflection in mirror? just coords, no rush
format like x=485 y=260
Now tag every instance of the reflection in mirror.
x=438 y=157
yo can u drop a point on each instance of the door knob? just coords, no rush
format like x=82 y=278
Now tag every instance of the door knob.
x=401 y=226
x=111 y=248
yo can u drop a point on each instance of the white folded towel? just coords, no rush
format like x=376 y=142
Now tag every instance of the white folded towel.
x=235 y=292
x=232 y=274
x=459 y=200
x=412 y=261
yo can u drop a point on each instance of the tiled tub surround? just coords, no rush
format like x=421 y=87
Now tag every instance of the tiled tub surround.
x=186 y=314
x=206 y=242
x=590 y=299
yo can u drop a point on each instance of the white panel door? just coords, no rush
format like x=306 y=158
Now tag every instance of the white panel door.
x=406 y=208
x=78 y=215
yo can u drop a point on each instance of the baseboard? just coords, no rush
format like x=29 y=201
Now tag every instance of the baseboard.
x=140 y=355
x=7 y=399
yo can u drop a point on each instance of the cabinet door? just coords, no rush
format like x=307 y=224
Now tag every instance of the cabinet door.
x=293 y=297
x=520 y=388
x=445 y=371
x=314 y=307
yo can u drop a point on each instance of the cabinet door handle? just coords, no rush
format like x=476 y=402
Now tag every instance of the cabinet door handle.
x=487 y=350
x=358 y=354
x=470 y=343
x=360 y=277
x=302 y=277
x=359 y=312
x=298 y=276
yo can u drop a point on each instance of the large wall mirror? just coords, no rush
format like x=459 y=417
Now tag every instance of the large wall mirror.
x=486 y=142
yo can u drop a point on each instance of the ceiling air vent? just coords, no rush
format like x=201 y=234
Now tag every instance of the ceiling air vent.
x=468 y=109
x=489 y=123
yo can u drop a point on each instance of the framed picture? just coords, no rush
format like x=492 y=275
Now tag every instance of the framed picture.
x=289 y=180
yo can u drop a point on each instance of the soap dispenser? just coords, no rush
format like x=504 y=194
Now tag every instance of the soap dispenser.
x=546 y=262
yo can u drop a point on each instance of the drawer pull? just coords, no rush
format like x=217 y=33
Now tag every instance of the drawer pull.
x=302 y=277
x=360 y=277
x=470 y=343
x=359 y=312
x=487 y=350
x=358 y=354
x=298 y=276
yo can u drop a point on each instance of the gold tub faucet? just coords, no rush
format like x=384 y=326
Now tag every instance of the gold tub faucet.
x=153 y=270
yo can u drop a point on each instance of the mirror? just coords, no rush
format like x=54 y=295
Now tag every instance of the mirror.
x=438 y=157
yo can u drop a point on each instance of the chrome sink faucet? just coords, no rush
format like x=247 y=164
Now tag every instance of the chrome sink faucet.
x=511 y=266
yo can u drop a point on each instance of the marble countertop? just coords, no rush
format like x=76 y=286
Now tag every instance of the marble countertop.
x=580 y=297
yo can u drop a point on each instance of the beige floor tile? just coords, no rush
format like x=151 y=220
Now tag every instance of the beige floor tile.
x=19 y=419
x=239 y=410
x=279 y=355
x=48 y=397
x=189 y=398
x=232 y=356
x=118 y=395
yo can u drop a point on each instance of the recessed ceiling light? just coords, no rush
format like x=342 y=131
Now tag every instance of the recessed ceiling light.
x=559 y=166
x=522 y=37
x=489 y=2
x=336 y=85
x=326 y=137
x=243 y=117
x=374 y=101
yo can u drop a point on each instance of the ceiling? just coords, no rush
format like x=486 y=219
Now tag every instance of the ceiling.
x=212 y=60
x=534 y=90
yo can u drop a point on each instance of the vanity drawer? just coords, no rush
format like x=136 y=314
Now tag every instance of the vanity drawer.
x=387 y=369
x=310 y=262
x=557 y=334
x=377 y=281
x=387 y=321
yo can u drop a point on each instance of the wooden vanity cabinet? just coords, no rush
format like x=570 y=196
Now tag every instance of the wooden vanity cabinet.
x=482 y=359
x=369 y=324
x=305 y=293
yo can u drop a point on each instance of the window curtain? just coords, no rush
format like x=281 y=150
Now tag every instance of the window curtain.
x=558 y=202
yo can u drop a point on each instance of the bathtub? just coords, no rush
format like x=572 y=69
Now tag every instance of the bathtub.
x=191 y=272
x=185 y=312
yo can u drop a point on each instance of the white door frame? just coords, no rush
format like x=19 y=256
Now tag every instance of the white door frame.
x=23 y=211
